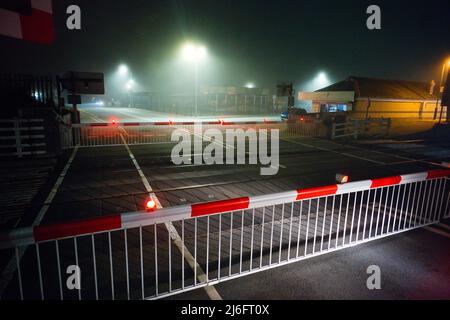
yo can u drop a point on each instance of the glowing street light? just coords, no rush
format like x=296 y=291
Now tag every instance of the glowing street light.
x=123 y=69
x=194 y=53
x=250 y=85
x=130 y=84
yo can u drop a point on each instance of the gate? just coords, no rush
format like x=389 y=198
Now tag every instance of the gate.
x=132 y=133
x=147 y=255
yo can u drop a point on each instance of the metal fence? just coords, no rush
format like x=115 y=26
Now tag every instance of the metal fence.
x=22 y=137
x=357 y=127
x=146 y=255
x=107 y=134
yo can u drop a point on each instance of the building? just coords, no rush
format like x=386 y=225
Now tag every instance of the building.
x=365 y=98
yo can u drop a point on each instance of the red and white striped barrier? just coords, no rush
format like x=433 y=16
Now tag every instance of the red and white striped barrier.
x=35 y=27
x=26 y=236
x=169 y=123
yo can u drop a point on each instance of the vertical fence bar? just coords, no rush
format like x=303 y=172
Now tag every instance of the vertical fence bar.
x=339 y=221
x=299 y=228
x=323 y=223
x=220 y=246
x=424 y=197
x=271 y=235
x=111 y=265
x=331 y=223
x=76 y=262
x=155 y=235
x=242 y=242
x=372 y=213
x=413 y=205
x=385 y=209
x=359 y=215
x=195 y=251
x=127 y=270
x=251 y=245
x=170 y=259
x=307 y=227
x=231 y=243
x=346 y=218
x=207 y=249
x=262 y=237
x=141 y=256
x=353 y=217
x=290 y=231
x=281 y=233
x=315 y=225
x=58 y=264
x=182 y=254
x=19 y=272
x=365 y=216
x=94 y=261
x=396 y=208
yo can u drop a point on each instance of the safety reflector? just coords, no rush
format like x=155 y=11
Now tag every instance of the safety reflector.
x=341 y=178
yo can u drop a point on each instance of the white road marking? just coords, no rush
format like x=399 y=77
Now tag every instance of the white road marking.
x=439 y=232
x=10 y=269
x=444 y=226
x=210 y=290
x=93 y=116
x=334 y=151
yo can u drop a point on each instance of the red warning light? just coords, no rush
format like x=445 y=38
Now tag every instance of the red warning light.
x=302 y=118
x=150 y=205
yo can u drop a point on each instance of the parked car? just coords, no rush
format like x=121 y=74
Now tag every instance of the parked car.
x=295 y=114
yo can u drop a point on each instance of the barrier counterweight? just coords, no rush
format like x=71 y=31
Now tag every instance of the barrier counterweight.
x=145 y=255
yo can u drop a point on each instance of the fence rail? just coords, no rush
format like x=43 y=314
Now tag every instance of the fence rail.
x=145 y=255
x=357 y=127
x=106 y=134
x=22 y=137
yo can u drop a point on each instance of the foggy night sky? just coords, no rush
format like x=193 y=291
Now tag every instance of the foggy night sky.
x=248 y=41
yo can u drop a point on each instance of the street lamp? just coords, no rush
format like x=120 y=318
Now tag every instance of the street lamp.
x=194 y=53
x=445 y=66
x=123 y=69
x=129 y=86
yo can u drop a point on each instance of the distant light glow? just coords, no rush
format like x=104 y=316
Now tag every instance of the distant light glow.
x=320 y=81
x=123 y=69
x=194 y=52
x=130 y=84
x=250 y=85
x=100 y=103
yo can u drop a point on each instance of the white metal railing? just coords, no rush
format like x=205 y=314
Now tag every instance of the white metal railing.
x=107 y=134
x=22 y=137
x=145 y=255
x=360 y=127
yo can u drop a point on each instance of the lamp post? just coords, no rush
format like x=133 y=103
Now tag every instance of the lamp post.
x=129 y=88
x=445 y=66
x=194 y=53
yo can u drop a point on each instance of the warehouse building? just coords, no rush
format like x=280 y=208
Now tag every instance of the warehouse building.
x=365 y=98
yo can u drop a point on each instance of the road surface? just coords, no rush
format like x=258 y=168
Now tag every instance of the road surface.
x=104 y=180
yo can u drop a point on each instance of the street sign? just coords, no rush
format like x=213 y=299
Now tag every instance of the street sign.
x=27 y=20
x=83 y=82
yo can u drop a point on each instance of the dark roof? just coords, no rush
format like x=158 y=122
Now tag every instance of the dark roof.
x=384 y=88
